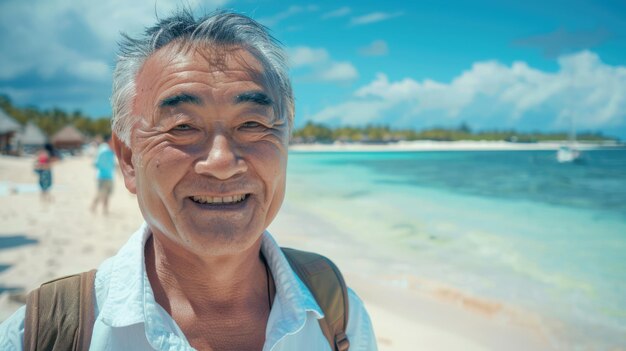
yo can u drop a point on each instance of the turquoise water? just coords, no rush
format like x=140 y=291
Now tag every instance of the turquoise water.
x=515 y=227
x=7 y=187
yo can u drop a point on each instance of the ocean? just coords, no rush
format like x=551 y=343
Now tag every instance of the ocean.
x=514 y=227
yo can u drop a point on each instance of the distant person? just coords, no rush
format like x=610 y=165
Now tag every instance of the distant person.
x=105 y=166
x=202 y=114
x=43 y=167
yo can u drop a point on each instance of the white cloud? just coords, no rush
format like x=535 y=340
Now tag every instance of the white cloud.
x=40 y=33
x=339 y=71
x=289 y=12
x=91 y=70
x=320 y=66
x=584 y=89
x=382 y=88
x=304 y=56
x=340 y=12
x=353 y=112
x=373 y=18
x=376 y=48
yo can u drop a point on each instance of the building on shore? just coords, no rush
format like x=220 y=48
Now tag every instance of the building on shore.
x=8 y=131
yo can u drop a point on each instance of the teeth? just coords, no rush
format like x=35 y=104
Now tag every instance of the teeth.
x=218 y=200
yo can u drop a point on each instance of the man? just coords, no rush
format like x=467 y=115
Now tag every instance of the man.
x=202 y=115
x=105 y=165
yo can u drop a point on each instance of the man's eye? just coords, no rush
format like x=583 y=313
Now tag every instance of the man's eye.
x=182 y=127
x=251 y=124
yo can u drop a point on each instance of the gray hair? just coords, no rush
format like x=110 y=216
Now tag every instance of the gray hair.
x=219 y=29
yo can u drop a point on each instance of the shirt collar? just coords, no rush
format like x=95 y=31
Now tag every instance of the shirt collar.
x=293 y=300
x=130 y=290
x=127 y=281
x=291 y=291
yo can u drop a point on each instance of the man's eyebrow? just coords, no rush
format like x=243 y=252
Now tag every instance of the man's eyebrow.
x=179 y=99
x=256 y=97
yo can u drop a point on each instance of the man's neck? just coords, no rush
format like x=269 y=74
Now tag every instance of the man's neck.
x=214 y=300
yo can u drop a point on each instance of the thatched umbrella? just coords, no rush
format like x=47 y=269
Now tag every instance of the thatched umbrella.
x=32 y=138
x=68 y=138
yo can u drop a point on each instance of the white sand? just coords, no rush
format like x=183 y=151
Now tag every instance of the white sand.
x=407 y=314
x=427 y=145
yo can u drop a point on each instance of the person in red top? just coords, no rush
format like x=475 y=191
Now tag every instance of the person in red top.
x=43 y=167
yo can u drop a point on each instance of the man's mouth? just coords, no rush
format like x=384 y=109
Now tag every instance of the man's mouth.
x=217 y=200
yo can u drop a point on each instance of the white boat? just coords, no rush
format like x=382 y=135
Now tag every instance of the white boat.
x=567 y=154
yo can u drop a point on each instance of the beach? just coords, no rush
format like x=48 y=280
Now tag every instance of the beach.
x=430 y=145
x=409 y=311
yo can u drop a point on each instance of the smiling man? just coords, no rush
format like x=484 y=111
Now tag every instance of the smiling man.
x=202 y=116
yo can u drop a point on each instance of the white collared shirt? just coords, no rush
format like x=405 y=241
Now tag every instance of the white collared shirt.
x=129 y=318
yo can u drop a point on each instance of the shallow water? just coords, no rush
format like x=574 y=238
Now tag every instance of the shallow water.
x=7 y=188
x=514 y=226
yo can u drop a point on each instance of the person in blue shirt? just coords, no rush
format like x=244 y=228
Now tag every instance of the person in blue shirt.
x=105 y=166
x=202 y=115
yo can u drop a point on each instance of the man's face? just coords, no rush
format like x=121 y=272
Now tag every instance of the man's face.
x=208 y=155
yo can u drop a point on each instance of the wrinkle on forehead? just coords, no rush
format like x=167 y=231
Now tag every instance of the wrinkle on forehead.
x=218 y=57
x=184 y=56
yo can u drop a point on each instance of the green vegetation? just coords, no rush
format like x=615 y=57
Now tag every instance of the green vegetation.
x=314 y=132
x=50 y=121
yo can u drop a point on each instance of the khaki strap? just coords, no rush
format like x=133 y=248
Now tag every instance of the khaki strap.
x=31 y=321
x=326 y=284
x=60 y=314
x=65 y=306
x=87 y=313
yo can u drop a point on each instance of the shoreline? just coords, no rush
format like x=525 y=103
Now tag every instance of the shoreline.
x=477 y=247
x=407 y=311
x=415 y=146
x=65 y=237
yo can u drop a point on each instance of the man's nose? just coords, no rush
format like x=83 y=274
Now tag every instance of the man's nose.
x=222 y=161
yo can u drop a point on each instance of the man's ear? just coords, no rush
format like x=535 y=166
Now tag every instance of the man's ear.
x=125 y=159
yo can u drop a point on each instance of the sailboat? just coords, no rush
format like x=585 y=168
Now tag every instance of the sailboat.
x=569 y=152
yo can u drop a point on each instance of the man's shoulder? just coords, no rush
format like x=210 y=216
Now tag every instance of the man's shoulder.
x=103 y=274
x=12 y=331
x=331 y=292
x=123 y=260
x=360 y=331
x=357 y=310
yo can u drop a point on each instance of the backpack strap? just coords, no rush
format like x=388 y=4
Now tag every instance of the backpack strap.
x=326 y=284
x=65 y=307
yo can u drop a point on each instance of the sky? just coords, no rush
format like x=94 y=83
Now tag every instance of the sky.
x=529 y=65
